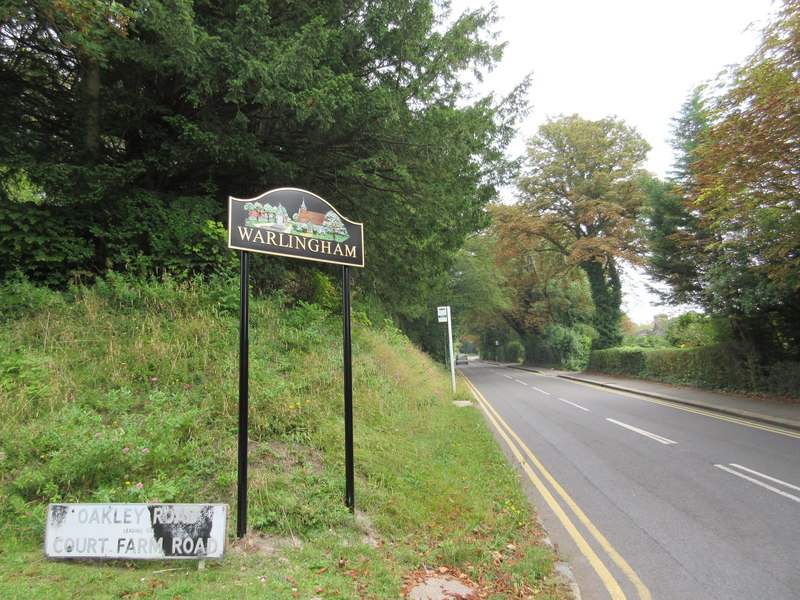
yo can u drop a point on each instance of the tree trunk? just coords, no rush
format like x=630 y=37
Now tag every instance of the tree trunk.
x=91 y=90
x=606 y=291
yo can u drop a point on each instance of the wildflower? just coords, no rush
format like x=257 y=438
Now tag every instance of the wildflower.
x=145 y=451
x=127 y=483
x=2 y=456
x=126 y=449
x=139 y=485
x=187 y=386
x=98 y=435
x=153 y=379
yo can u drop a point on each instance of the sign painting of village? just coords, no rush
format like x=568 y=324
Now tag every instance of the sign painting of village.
x=297 y=223
x=326 y=226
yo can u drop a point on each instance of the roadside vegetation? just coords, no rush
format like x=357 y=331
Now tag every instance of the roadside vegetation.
x=719 y=234
x=126 y=391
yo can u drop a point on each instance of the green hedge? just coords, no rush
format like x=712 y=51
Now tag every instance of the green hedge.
x=628 y=361
x=722 y=366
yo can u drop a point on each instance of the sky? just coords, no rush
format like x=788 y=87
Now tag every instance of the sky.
x=637 y=60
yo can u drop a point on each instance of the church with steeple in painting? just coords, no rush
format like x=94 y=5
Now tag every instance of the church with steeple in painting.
x=308 y=218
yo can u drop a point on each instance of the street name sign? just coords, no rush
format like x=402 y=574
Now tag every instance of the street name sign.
x=135 y=531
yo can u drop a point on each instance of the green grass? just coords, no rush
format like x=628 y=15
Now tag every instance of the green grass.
x=130 y=383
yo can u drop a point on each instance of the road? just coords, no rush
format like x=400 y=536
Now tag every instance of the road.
x=649 y=499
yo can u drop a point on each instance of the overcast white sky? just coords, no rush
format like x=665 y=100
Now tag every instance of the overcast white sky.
x=636 y=59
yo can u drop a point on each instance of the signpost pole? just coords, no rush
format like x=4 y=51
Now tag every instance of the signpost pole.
x=348 y=391
x=317 y=232
x=244 y=367
x=443 y=315
x=450 y=342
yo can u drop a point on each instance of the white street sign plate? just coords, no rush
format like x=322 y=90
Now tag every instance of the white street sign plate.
x=135 y=531
x=442 y=312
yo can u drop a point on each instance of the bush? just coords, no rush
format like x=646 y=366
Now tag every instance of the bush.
x=572 y=345
x=514 y=351
x=19 y=297
x=721 y=366
x=618 y=361
x=695 y=330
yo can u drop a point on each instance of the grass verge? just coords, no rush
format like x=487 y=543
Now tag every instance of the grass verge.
x=126 y=392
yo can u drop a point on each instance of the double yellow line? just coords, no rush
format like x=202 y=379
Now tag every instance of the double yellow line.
x=526 y=458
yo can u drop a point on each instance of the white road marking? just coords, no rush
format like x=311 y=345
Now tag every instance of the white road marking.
x=542 y=391
x=522 y=382
x=761 y=483
x=652 y=436
x=575 y=405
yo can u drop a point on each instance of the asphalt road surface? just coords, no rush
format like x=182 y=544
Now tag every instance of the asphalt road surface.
x=649 y=499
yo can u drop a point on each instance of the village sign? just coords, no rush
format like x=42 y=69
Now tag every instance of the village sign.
x=298 y=224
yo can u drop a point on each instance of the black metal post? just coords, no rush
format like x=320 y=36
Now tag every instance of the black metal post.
x=348 y=393
x=244 y=372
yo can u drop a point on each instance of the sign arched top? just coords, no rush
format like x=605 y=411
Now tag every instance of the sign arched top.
x=295 y=223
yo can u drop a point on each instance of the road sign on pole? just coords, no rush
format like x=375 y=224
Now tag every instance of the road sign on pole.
x=314 y=231
x=443 y=313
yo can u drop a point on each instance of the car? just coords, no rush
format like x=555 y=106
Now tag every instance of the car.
x=462 y=359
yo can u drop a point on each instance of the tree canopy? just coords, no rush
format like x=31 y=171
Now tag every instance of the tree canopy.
x=581 y=186
x=131 y=123
x=725 y=233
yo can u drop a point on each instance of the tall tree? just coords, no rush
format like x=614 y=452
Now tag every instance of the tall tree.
x=359 y=101
x=688 y=130
x=582 y=188
x=479 y=290
x=677 y=242
x=551 y=299
x=746 y=192
x=747 y=170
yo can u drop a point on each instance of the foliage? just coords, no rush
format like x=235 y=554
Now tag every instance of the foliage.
x=676 y=243
x=125 y=392
x=746 y=171
x=132 y=123
x=645 y=341
x=547 y=292
x=582 y=191
x=622 y=360
x=479 y=289
x=721 y=366
x=59 y=245
x=724 y=233
x=693 y=329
